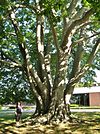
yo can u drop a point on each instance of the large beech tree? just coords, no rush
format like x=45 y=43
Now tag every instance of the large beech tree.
x=53 y=43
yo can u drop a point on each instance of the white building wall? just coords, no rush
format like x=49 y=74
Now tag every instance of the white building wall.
x=83 y=90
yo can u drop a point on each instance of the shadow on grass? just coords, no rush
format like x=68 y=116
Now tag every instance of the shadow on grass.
x=8 y=123
x=89 y=124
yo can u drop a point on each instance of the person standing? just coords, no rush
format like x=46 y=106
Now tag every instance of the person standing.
x=18 y=112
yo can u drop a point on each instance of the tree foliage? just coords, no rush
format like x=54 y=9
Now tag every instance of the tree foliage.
x=53 y=44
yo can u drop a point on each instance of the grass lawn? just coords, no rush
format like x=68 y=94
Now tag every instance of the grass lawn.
x=90 y=124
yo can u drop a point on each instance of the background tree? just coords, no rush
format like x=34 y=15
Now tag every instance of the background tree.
x=53 y=43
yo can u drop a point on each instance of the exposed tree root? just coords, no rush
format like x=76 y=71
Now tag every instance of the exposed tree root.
x=52 y=119
x=48 y=119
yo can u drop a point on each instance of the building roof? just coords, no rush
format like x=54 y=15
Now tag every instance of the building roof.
x=83 y=90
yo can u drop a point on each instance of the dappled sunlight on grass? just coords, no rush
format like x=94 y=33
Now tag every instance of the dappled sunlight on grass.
x=89 y=124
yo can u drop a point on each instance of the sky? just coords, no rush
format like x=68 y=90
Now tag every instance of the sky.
x=98 y=76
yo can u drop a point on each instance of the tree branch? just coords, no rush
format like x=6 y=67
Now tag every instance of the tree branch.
x=94 y=51
x=12 y=64
x=72 y=6
x=84 y=69
x=36 y=10
x=73 y=25
x=43 y=74
x=84 y=39
x=77 y=58
x=76 y=62
x=25 y=54
x=10 y=58
x=54 y=32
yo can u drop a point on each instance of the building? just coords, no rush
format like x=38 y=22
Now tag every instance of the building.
x=87 y=96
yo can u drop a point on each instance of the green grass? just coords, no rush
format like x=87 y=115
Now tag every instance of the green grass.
x=89 y=124
x=84 y=107
x=5 y=116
